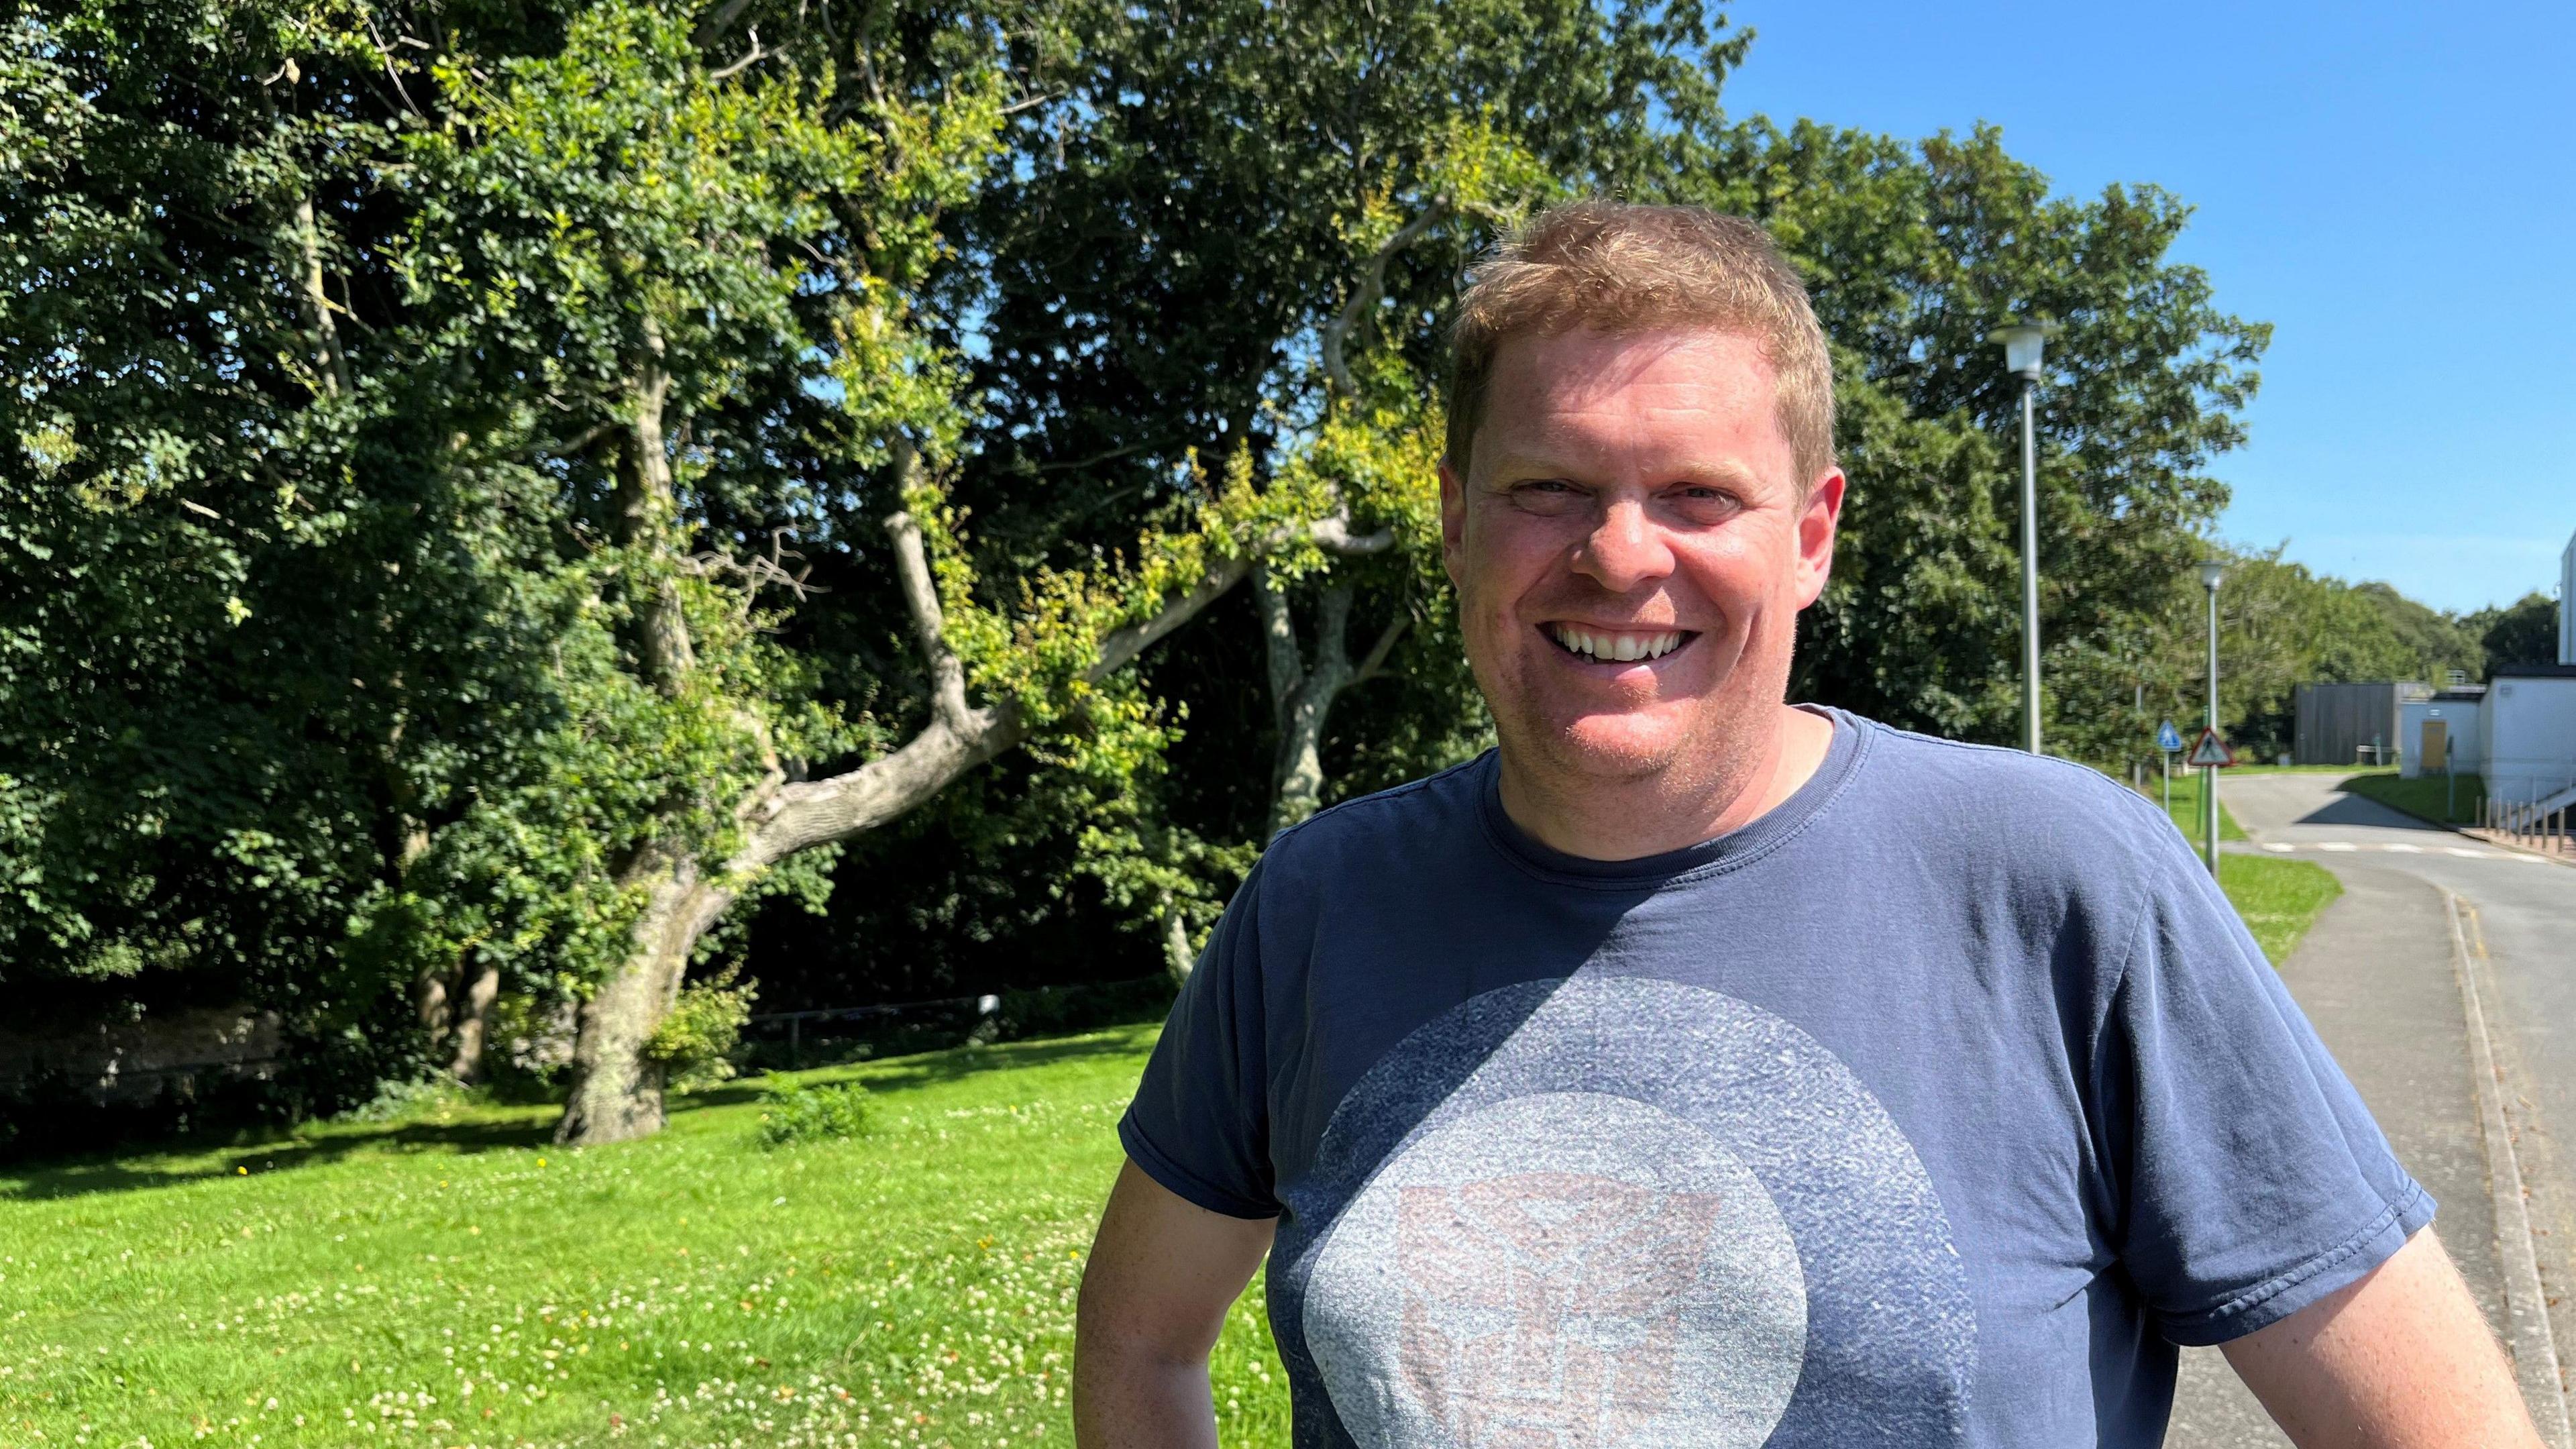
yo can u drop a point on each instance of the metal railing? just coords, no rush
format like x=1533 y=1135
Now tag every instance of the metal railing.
x=2539 y=820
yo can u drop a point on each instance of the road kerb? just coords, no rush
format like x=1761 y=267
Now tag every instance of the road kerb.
x=2527 y=1333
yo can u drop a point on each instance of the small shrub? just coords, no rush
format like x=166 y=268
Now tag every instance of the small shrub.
x=792 y=1114
x=397 y=1100
x=696 y=1039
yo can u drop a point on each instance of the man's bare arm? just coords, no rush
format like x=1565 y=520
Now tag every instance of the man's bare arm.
x=1162 y=1274
x=2399 y=1360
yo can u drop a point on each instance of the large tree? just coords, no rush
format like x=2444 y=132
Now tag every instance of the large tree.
x=2524 y=632
x=458 y=396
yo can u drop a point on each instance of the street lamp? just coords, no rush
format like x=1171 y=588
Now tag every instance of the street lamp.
x=2023 y=344
x=2211 y=571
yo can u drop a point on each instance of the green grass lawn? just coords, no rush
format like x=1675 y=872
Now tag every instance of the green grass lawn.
x=2279 y=899
x=2426 y=797
x=451 y=1280
x=2186 y=806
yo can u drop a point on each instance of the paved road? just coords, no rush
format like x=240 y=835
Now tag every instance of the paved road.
x=2376 y=976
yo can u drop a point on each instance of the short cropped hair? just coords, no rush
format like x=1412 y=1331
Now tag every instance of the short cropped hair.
x=1620 y=268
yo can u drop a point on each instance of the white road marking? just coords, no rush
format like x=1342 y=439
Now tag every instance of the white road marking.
x=2278 y=847
x=2337 y=845
x=2405 y=849
x=2462 y=850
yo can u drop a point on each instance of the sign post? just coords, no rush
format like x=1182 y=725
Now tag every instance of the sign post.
x=2168 y=740
x=2210 y=756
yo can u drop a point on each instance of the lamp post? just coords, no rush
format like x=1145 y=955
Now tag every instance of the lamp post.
x=2023 y=343
x=2211 y=571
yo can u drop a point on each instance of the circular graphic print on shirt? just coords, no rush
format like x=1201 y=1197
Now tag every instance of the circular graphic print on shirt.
x=1563 y=1268
x=1621 y=1213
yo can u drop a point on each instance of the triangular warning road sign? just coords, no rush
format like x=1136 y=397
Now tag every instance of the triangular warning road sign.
x=2211 y=750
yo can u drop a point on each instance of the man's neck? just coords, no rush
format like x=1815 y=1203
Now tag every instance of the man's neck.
x=1630 y=819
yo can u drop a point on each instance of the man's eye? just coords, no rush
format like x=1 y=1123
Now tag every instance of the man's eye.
x=1547 y=485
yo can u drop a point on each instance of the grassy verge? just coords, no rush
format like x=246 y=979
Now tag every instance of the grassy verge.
x=2186 y=806
x=2279 y=899
x=452 y=1280
x=2455 y=801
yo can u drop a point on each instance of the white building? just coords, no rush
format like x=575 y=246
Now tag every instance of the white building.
x=2567 y=603
x=2443 y=728
x=2527 y=731
x=2527 y=724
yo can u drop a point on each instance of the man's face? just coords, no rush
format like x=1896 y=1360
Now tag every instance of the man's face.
x=1631 y=550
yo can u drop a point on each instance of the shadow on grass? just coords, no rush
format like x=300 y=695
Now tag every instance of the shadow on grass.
x=2355 y=807
x=2427 y=802
x=899 y=1074
x=284 y=1154
x=325 y=1144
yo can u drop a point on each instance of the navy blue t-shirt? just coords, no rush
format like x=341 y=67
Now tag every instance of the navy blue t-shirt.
x=1933 y=1107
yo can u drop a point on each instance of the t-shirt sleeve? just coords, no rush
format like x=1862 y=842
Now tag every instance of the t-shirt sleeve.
x=2256 y=1182
x=1200 y=1121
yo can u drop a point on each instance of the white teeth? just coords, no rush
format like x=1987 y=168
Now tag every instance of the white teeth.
x=1619 y=648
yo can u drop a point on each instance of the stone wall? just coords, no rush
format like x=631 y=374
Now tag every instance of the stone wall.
x=128 y=1061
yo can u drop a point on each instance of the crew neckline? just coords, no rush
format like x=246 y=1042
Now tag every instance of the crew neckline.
x=1743 y=843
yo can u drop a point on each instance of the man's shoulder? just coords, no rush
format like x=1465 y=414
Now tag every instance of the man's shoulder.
x=1432 y=817
x=2028 y=813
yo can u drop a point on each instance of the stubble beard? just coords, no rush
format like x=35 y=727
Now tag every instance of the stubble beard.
x=1710 y=762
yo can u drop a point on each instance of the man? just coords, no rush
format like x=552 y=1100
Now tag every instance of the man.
x=1700 y=1070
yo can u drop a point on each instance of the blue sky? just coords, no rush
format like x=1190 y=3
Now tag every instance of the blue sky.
x=2394 y=189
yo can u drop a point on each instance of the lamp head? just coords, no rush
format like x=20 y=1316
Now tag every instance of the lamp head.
x=2211 y=571
x=2024 y=342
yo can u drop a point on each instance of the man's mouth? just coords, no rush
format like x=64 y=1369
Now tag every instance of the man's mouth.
x=1617 y=646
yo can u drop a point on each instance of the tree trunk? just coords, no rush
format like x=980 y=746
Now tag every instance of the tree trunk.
x=429 y=997
x=616 y=1089
x=330 y=366
x=1178 y=959
x=1301 y=699
x=647 y=511
x=473 y=1025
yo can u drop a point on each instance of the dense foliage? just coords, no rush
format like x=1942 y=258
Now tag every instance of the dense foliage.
x=495 y=489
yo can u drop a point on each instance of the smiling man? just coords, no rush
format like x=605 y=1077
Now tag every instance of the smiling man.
x=1696 y=1069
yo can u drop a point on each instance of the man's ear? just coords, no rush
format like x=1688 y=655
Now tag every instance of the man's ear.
x=1453 y=517
x=1817 y=523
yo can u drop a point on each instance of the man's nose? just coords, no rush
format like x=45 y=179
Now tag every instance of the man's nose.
x=1625 y=549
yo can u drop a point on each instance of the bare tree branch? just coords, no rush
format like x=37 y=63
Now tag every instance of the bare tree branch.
x=577 y=443
x=1092 y=461
x=385 y=53
x=921 y=598
x=317 y=302
x=1365 y=297
x=1374 y=663
x=1334 y=536
x=752 y=57
x=803 y=813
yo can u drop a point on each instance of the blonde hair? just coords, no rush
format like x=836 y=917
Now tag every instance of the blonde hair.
x=1620 y=268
